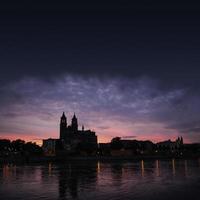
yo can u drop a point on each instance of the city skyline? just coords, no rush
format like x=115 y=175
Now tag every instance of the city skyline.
x=82 y=127
x=129 y=69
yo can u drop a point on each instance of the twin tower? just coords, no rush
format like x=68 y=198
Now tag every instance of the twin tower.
x=71 y=136
x=64 y=129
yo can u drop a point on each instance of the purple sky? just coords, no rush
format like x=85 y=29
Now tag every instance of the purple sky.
x=128 y=68
x=31 y=108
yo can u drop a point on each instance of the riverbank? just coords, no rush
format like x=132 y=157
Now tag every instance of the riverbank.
x=39 y=159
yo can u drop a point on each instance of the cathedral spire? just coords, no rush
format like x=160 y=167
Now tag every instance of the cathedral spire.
x=74 y=124
x=63 y=125
x=63 y=115
x=74 y=117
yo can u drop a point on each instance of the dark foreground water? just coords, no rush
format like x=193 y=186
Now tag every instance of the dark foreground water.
x=155 y=179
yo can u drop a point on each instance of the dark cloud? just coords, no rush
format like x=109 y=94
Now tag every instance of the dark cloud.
x=131 y=62
x=136 y=105
x=130 y=39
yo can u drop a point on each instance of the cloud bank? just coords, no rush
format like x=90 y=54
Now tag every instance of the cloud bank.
x=136 y=107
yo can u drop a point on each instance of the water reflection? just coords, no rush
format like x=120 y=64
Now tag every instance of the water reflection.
x=186 y=168
x=142 y=168
x=101 y=180
x=173 y=167
x=8 y=171
x=157 y=168
x=70 y=176
x=98 y=167
x=50 y=169
x=116 y=172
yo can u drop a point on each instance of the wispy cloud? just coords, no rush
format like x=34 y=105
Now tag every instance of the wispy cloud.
x=137 y=107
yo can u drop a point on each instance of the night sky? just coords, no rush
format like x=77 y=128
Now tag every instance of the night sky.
x=129 y=68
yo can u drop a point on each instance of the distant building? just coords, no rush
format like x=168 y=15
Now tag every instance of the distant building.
x=171 y=145
x=72 y=140
x=50 y=146
x=121 y=147
x=104 y=149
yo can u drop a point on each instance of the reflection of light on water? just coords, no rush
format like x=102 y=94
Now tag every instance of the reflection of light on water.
x=33 y=181
x=142 y=168
x=5 y=171
x=50 y=169
x=186 y=167
x=173 y=167
x=157 y=168
x=98 y=167
x=9 y=170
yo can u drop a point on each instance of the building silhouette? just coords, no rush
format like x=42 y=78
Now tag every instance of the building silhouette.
x=72 y=140
x=171 y=145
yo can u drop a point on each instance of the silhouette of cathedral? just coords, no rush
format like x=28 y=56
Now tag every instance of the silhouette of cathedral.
x=72 y=138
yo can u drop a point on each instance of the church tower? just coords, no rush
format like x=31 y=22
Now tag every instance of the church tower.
x=74 y=124
x=63 y=126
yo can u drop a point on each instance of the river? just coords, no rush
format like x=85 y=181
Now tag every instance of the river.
x=92 y=180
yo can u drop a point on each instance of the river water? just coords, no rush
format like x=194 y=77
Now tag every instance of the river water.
x=91 y=180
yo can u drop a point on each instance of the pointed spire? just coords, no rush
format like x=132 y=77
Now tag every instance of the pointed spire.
x=74 y=117
x=181 y=140
x=63 y=115
x=74 y=123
